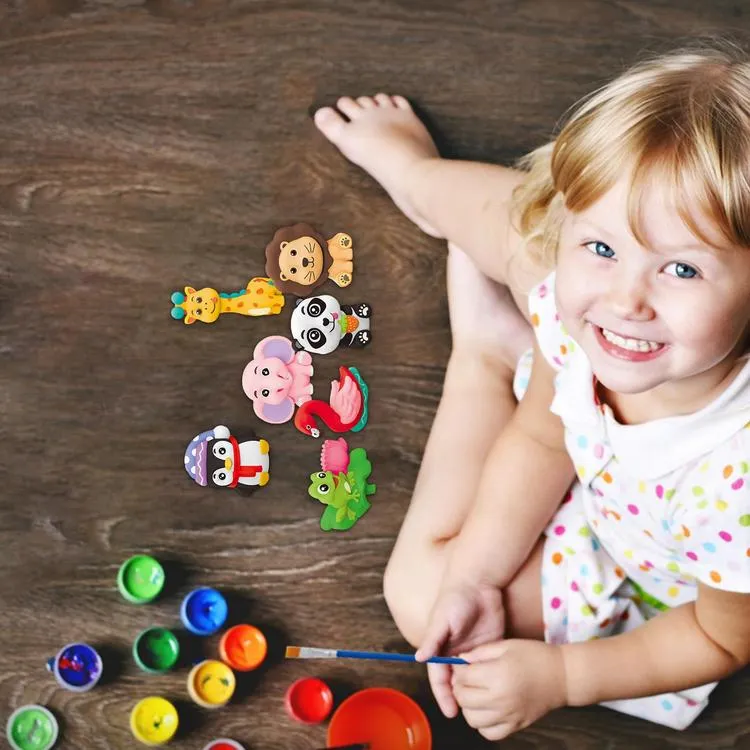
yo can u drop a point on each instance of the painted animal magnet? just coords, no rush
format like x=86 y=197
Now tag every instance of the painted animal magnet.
x=299 y=259
x=215 y=458
x=342 y=485
x=260 y=297
x=346 y=410
x=277 y=379
x=320 y=324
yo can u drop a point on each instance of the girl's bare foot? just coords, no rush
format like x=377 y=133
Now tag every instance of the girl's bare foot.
x=384 y=136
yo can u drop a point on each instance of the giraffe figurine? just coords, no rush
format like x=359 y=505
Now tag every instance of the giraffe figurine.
x=259 y=297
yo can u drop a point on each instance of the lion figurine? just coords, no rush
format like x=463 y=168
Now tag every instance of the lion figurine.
x=299 y=259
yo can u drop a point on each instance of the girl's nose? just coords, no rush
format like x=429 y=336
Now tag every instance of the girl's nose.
x=629 y=300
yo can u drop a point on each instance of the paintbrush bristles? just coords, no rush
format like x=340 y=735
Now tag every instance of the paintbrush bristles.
x=307 y=652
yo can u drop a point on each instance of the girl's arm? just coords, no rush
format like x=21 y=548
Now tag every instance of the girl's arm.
x=691 y=645
x=525 y=478
x=511 y=683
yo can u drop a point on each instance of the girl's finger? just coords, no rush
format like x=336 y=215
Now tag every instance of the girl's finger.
x=486 y=651
x=499 y=731
x=440 y=682
x=436 y=635
x=483 y=718
x=477 y=675
x=470 y=697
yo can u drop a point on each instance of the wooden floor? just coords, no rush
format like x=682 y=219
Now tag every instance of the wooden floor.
x=150 y=144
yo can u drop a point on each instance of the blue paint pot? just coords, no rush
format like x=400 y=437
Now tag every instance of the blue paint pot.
x=204 y=611
x=77 y=667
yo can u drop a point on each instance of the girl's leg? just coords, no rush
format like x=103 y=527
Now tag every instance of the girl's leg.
x=476 y=403
x=469 y=205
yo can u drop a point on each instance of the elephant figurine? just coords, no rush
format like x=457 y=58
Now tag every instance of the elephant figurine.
x=277 y=379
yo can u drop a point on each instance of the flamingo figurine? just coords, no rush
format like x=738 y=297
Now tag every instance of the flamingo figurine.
x=347 y=410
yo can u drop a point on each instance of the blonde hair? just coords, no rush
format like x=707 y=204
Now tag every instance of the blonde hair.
x=683 y=117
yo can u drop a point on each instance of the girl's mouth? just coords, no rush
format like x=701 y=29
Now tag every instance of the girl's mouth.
x=622 y=347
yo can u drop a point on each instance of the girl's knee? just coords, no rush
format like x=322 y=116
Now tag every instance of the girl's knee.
x=410 y=590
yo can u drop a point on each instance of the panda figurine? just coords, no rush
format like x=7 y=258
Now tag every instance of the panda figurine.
x=320 y=324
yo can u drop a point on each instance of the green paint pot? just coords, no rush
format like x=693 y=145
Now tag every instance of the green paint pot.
x=140 y=579
x=32 y=728
x=156 y=650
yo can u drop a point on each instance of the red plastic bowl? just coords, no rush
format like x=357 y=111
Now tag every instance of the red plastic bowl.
x=385 y=719
x=309 y=700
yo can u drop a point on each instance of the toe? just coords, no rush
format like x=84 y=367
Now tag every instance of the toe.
x=366 y=102
x=329 y=122
x=349 y=107
x=401 y=102
x=383 y=100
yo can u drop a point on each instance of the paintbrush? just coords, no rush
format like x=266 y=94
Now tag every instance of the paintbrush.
x=308 y=652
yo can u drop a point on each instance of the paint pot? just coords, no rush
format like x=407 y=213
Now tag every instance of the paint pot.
x=32 y=727
x=309 y=700
x=211 y=684
x=204 y=611
x=154 y=721
x=140 y=579
x=223 y=744
x=77 y=667
x=243 y=648
x=156 y=650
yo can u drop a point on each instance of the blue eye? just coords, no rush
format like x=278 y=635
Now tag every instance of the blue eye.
x=600 y=248
x=682 y=271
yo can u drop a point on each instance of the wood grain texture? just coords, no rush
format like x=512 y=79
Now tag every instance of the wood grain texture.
x=149 y=144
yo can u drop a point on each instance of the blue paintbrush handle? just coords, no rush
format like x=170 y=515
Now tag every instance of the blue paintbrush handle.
x=398 y=657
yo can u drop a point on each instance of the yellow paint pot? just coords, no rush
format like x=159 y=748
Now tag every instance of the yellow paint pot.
x=211 y=684
x=154 y=721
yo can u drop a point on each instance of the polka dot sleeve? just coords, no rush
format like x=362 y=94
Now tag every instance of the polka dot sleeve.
x=554 y=341
x=712 y=517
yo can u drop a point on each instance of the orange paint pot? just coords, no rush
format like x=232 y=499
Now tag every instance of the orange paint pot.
x=382 y=718
x=243 y=648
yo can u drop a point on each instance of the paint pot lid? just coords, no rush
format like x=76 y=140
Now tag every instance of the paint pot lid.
x=383 y=718
x=156 y=649
x=204 y=611
x=140 y=579
x=309 y=700
x=154 y=720
x=32 y=727
x=243 y=647
x=223 y=744
x=211 y=683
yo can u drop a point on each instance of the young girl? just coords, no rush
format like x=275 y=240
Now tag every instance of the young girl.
x=626 y=244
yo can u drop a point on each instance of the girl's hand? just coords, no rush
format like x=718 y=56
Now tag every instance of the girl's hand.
x=509 y=685
x=463 y=617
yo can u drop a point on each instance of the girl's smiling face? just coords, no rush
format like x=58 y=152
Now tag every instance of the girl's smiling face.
x=671 y=314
